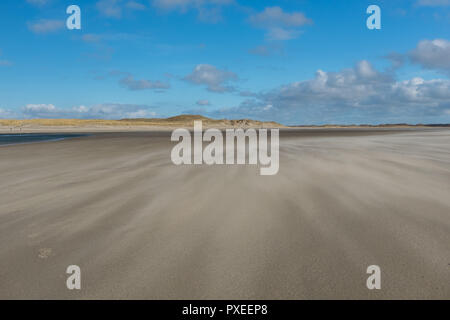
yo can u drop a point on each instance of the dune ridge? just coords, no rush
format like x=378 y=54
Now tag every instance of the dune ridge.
x=171 y=122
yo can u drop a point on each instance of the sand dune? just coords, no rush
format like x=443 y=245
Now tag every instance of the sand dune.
x=127 y=125
x=140 y=227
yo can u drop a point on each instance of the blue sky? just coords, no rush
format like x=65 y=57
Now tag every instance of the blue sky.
x=296 y=62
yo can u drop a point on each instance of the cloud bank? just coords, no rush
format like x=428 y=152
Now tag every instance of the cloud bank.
x=279 y=25
x=214 y=79
x=346 y=96
x=209 y=11
x=131 y=84
x=46 y=26
x=100 y=111
x=432 y=54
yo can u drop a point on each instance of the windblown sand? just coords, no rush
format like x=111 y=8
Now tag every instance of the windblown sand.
x=141 y=227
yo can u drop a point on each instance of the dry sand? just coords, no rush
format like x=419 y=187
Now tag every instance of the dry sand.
x=140 y=227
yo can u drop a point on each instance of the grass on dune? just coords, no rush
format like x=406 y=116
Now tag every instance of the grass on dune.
x=172 y=121
x=77 y=122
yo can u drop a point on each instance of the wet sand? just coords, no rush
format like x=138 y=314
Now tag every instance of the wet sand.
x=142 y=228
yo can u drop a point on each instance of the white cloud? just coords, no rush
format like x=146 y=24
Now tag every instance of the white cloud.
x=101 y=111
x=215 y=79
x=397 y=60
x=114 y=8
x=184 y=5
x=279 y=25
x=433 y=3
x=110 y=8
x=91 y=37
x=432 y=54
x=354 y=94
x=8 y=114
x=120 y=111
x=203 y=103
x=46 y=26
x=210 y=15
x=282 y=34
x=120 y=36
x=267 y=50
x=276 y=17
x=36 y=108
x=134 y=5
x=417 y=91
x=38 y=2
x=208 y=10
x=365 y=70
x=130 y=83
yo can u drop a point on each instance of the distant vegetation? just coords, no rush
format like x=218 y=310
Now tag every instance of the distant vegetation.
x=180 y=121
x=383 y=125
x=177 y=121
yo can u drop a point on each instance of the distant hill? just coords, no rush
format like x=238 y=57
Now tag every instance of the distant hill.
x=188 y=119
x=177 y=121
x=180 y=118
x=383 y=125
x=185 y=120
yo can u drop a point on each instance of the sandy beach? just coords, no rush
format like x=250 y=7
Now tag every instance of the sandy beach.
x=140 y=227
